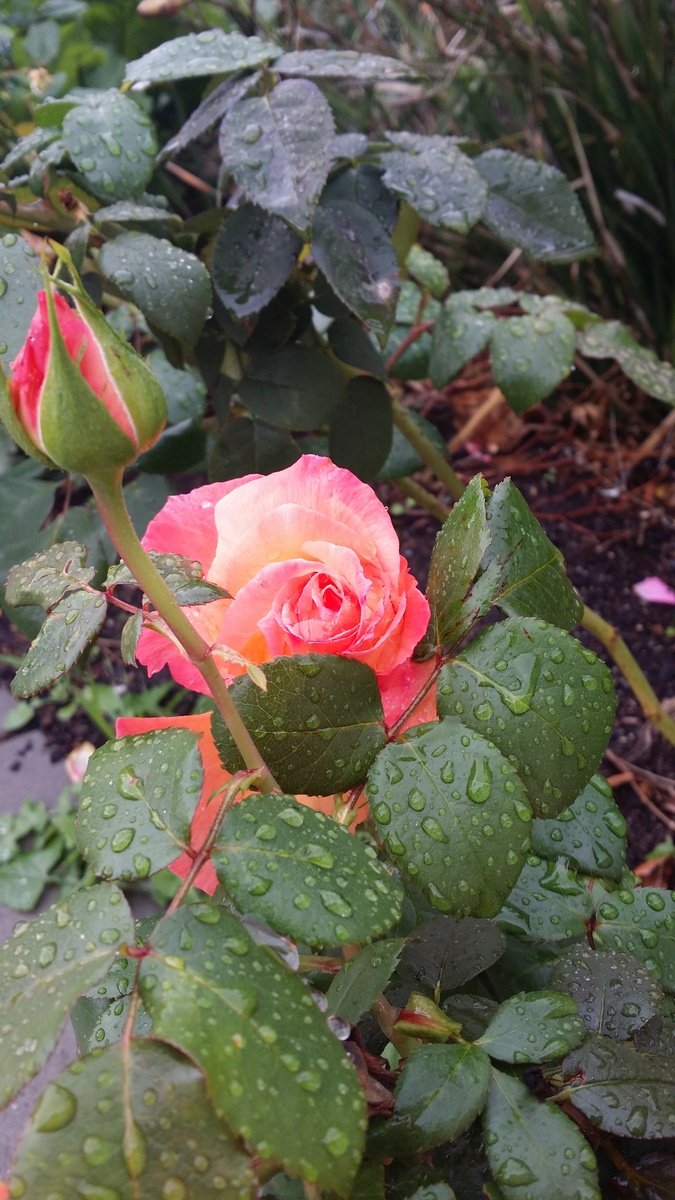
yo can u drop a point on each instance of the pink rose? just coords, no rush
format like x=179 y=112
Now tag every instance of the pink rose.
x=313 y=564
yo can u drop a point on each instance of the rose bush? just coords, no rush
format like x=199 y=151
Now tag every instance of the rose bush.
x=312 y=563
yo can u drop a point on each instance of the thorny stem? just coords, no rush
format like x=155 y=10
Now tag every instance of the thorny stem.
x=110 y=500
x=591 y=621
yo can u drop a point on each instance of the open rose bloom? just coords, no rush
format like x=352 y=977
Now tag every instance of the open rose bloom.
x=312 y=562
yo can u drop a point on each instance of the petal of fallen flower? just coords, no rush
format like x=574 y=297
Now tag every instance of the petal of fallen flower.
x=654 y=590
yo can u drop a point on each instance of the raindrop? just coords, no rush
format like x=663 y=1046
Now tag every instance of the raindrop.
x=336 y=1142
x=122 y=839
x=56 y=1108
x=434 y=830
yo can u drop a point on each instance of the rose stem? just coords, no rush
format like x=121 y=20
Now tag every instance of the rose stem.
x=591 y=621
x=112 y=507
x=429 y=453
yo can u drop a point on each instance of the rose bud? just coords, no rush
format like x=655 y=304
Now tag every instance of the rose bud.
x=78 y=397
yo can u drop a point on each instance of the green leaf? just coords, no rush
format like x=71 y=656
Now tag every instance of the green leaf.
x=614 y=994
x=99 y=1016
x=45 y=966
x=622 y=1090
x=253 y=255
x=531 y=205
x=457 y=555
x=362 y=185
x=132 y=213
x=533 y=582
x=549 y=903
x=530 y=356
x=473 y=1013
x=184 y=391
x=182 y=576
x=533 y=1149
x=460 y=333
x=130 y=1121
x=112 y=143
x=211 y=52
x=610 y=339
x=46 y=577
x=21 y=282
x=318 y=726
x=361 y=980
x=343 y=64
x=297 y=387
x=137 y=800
x=428 y=270
x=590 y=834
x=641 y=923
x=446 y=952
x=439 y=1093
x=170 y=286
x=534 y=1027
x=24 y=879
x=357 y=256
x=246 y=446
x=352 y=345
x=303 y=874
x=274 y=1070
x=544 y=700
x=436 y=179
x=278 y=147
x=361 y=428
x=214 y=107
x=70 y=627
x=453 y=815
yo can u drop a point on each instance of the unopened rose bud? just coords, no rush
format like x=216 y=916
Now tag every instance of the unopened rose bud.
x=78 y=397
x=421 y=1018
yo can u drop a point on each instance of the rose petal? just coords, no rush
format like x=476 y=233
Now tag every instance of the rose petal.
x=654 y=590
x=399 y=688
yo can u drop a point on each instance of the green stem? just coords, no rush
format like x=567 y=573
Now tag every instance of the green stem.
x=636 y=680
x=429 y=453
x=110 y=500
x=423 y=497
x=596 y=625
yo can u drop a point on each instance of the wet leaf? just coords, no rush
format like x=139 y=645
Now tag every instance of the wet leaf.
x=402 y=459
x=473 y=1013
x=436 y=179
x=46 y=577
x=99 y=1016
x=622 y=1090
x=544 y=700
x=531 y=355
x=184 y=391
x=274 y=1070
x=351 y=344
x=45 y=966
x=531 y=204
x=105 y=1118
x=211 y=52
x=111 y=141
x=533 y=582
x=343 y=64
x=357 y=257
x=182 y=576
x=303 y=874
x=534 y=1027
x=428 y=270
x=137 y=800
x=171 y=287
x=615 y=995
x=361 y=428
x=446 y=952
x=534 y=1150
x=361 y=980
x=457 y=555
x=642 y=923
x=610 y=339
x=24 y=879
x=549 y=903
x=214 y=107
x=318 y=726
x=453 y=816
x=20 y=283
x=440 y=1092
x=296 y=388
x=278 y=147
x=460 y=333
x=246 y=446
x=69 y=629
x=590 y=834
x=253 y=255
